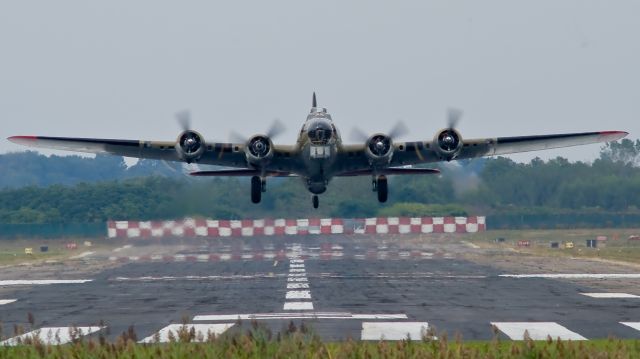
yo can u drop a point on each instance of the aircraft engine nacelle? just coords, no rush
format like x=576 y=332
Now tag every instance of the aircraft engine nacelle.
x=447 y=144
x=259 y=150
x=379 y=149
x=190 y=146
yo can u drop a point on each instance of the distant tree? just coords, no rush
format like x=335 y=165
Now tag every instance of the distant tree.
x=625 y=151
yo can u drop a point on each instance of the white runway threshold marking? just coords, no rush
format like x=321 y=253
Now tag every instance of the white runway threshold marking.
x=610 y=295
x=52 y=335
x=299 y=315
x=634 y=325
x=42 y=281
x=575 y=276
x=536 y=330
x=202 y=332
x=298 y=306
x=7 y=301
x=393 y=330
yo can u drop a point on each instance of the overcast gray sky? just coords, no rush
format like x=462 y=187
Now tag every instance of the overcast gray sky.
x=121 y=69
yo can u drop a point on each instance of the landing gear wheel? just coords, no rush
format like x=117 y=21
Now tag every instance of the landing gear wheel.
x=382 y=189
x=316 y=201
x=256 y=189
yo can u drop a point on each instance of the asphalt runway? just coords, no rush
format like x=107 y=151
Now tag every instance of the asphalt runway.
x=363 y=290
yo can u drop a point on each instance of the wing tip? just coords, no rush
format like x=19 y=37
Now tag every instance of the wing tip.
x=22 y=139
x=614 y=135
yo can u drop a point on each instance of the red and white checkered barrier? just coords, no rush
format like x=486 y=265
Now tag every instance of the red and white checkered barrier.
x=288 y=227
x=405 y=225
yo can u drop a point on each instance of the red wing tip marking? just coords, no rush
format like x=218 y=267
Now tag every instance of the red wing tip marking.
x=614 y=133
x=22 y=138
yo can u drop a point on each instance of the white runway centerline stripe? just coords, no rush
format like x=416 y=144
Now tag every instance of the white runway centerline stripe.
x=7 y=301
x=610 y=295
x=536 y=330
x=634 y=325
x=297 y=285
x=575 y=276
x=52 y=335
x=299 y=315
x=298 y=294
x=297 y=273
x=42 y=281
x=393 y=330
x=202 y=332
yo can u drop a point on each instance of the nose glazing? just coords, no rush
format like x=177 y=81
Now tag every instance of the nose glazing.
x=319 y=132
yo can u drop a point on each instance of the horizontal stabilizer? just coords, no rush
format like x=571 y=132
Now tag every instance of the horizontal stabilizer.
x=240 y=173
x=392 y=171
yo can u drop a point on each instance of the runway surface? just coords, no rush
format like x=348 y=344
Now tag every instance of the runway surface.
x=359 y=294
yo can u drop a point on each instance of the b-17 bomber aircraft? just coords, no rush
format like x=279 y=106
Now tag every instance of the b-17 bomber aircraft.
x=319 y=153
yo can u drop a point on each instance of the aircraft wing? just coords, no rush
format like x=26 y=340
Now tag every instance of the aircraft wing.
x=423 y=152
x=222 y=154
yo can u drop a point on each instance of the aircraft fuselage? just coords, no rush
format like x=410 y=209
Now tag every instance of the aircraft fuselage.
x=319 y=143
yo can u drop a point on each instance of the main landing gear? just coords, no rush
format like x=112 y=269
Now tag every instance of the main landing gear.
x=380 y=185
x=315 y=200
x=258 y=185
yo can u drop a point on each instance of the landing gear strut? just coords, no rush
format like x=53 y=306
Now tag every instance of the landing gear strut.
x=380 y=185
x=316 y=201
x=257 y=187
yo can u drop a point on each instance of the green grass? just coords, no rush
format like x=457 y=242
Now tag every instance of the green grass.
x=12 y=250
x=15 y=256
x=617 y=246
x=259 y=342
